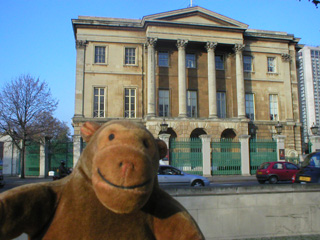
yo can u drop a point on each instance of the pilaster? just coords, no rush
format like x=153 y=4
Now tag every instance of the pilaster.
x=206 y=157
x=166 y=138
x=182 y=81
x=212 y=85
x=238 y=48
x=280 y=147
x=245 y=154
x=76 y=149
x=286 y=59
x=80 y=78
x=151 y=88
x=42 y=166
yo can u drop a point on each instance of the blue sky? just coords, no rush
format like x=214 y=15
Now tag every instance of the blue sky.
x=36 y=36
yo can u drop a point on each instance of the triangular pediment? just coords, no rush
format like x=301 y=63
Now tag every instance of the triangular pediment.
x=195 y=16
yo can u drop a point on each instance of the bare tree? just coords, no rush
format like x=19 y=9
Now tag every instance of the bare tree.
x=315 y=2
x=26 y=107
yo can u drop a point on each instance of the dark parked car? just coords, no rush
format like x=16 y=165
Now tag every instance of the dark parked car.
x=310 y=169
x=168 y=175
x=276 y=171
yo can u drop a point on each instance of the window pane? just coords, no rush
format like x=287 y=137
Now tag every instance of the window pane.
x=273 y=99
x=271 y=64
x=190 y=60
x=219 y=62
x=163 y=103
x=250 y=106
x=99 y=102
x=247 y=63
x=130 y=56
x=221 y=104
x=130 y=103
x=99 y=56
x=192 y=104
x=163 y=59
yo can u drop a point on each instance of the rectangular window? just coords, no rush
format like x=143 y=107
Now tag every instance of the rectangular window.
x=99 y=102
x=219 y=62
x=221 y=104
x=130 y=103
x=130 y=56
x=250 y=106
x=163 y=103
x=190 y=60
x=271 y=64
x=273 y=100
x=247 y=63
x=192 y=104
x=163 y=59
x=99 y=54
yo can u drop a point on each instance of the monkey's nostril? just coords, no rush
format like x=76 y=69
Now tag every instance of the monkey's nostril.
x=145 y=143
x=111 y=136
x=120 y=164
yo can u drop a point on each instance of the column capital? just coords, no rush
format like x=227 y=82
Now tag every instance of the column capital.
x=211 y=46
x=81 y=43
x=181 y=43
x=238 y=48
x=286 y=57
x=151 y=42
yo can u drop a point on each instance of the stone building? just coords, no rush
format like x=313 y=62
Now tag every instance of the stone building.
x=201 y=72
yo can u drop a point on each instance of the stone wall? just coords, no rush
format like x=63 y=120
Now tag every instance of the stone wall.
x=253 y=212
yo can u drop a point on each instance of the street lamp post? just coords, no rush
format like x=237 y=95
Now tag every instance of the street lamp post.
x=278 y=128
x=164 y=126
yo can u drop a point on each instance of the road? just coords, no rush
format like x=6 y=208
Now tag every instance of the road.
x=216 y=181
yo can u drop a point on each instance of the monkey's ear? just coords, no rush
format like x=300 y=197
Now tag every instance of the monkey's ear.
x=88 y=129
x=162 y=146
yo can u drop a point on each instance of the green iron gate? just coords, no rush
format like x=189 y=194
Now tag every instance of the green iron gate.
x=186 y=154
x=60 y=151
x=32 y=162
x=262 y=150
x=226 y=157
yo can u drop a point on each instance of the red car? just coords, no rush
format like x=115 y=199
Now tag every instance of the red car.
x=276 y=171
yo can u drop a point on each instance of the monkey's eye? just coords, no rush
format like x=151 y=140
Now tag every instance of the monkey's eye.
x=111 y=136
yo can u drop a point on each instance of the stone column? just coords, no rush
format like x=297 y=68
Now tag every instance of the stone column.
x=245 y=155
x=206 y=155
x=286 y=59
x=280 y=147
x=166 y=138
x=42 y=170
x=182 y=81
x=212 y=85
x=80 y=68
x=151 y=88
x=315 y=141
x=240 y=80
x=76 y=149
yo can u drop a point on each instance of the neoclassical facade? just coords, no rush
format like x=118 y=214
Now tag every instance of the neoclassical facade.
x=201 y=72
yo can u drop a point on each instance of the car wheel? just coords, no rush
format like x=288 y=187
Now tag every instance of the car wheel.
x=197 y=183
x=261 y=181
x=273 y=180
